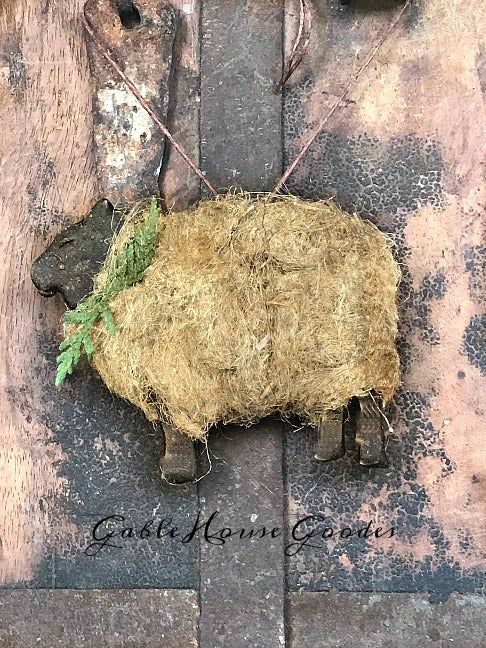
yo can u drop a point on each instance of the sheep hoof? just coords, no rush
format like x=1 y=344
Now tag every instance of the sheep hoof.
x=330 y=436
x=178 y=468
x=369 y=433
x=178 y=465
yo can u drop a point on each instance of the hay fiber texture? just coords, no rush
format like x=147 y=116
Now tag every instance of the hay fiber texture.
x=250 y=307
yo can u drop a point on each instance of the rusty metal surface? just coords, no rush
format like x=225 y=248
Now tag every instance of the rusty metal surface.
x=111 y=453
x=129 y=146
x=406 y=152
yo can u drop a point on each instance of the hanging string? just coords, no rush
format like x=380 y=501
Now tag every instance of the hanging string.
x=299 y=49
x=143 y=102
x=290 y=169
x=300 y=46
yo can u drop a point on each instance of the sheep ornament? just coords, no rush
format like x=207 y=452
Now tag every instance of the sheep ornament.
x=237 y=309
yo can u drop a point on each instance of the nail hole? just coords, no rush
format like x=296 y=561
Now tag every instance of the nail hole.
x=129 y=14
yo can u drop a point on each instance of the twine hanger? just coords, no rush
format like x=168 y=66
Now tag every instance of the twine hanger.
x=105 y=52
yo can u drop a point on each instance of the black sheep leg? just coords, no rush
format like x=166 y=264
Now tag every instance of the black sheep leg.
x=330 y=436
x=178 y=465
x=369 y=431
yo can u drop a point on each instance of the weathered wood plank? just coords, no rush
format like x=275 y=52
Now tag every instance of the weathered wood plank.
x=48 y=178
x=242 y=581
x=113 y=618
x=75 y=455
x=241 y=145
x=345 y=619
x=405 y=151
x=241 y=61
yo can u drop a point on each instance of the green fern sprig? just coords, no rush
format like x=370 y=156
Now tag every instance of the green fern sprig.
x=127 y=268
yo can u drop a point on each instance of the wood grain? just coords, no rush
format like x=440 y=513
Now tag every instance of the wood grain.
x=48 y=179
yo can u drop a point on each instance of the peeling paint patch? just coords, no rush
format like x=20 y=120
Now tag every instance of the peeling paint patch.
x=15 y=67
x=110 y=462
x=129 y=146
x=475 y=342
x=475 y=264
x=404 y=151
x=123 y=138
x=359 y=171
x=121 y=107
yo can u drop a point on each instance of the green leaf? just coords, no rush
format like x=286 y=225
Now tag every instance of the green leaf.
x=76 y=316
x=88 y=346
x=66 y=343
x=65 y=358
x=108 y=320
x=61 y=374
x=128 y=268
x=76 y=355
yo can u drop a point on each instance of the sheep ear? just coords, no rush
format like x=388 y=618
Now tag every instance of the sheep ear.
x=103 y=208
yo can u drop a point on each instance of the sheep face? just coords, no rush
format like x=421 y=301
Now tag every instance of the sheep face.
x=75 y=256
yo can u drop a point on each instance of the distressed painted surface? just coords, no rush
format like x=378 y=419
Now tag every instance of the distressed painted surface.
x=47 y=174
x=129 y=145
x=406 y=151
x=72 y=456
x=111 y=467
x=241 y=144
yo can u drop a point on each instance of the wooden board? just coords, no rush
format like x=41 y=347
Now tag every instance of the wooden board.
x=48 y=180
x=405 y=150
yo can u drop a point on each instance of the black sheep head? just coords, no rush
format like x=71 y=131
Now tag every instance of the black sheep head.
x=74 y=258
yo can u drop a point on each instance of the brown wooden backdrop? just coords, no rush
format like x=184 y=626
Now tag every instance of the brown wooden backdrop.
x=407 y=151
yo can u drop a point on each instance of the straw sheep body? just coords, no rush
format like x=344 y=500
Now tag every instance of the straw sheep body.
x=251 y=308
